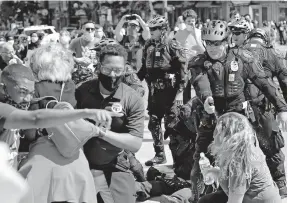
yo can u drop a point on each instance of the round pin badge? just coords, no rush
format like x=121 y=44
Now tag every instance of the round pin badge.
x=116 y=107
x=234 y=66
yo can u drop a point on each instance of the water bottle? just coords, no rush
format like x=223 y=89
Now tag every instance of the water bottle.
x=204 y=164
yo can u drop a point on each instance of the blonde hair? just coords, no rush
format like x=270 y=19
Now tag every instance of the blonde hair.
x=52 y=62
x=234 y=147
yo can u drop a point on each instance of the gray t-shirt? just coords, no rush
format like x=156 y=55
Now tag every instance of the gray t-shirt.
x=77 y=44
x=258 y=188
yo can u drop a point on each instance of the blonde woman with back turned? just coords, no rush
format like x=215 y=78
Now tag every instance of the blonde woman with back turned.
x=243 y=175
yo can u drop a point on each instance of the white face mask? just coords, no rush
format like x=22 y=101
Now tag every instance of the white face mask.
x=34 y=39
x=89 y=36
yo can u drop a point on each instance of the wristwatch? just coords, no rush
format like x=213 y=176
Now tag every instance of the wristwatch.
x=102 y=132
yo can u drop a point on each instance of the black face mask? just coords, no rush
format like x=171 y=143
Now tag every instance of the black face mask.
x=110 y=83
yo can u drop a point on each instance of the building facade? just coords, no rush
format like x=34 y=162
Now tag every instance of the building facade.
x=258 y=10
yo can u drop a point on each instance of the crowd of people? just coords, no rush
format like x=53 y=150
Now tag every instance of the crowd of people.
x=73 y=111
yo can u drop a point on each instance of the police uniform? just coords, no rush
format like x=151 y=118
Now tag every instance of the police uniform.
x=273 y=61
x=165 y=70
x=182 y=133
x=225 y=81
x=269 y=135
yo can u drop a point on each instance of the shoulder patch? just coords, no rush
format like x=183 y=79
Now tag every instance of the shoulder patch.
x=176 y=48
x=174 y=44
x=246 y=55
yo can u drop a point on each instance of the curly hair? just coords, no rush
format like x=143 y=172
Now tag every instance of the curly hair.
x=189 y=13
x=113 y=50
x=52 y=62
x=234 y=147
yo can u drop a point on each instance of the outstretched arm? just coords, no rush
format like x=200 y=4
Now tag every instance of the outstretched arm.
x=44 y=118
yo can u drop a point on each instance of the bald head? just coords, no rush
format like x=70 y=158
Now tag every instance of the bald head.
x=16 y=73
x=19 y=84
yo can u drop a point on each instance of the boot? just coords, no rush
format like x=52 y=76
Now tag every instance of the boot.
x=174 y=184
x=136 y=167
x=153 y=173
x=282 y=188
x=159 y=158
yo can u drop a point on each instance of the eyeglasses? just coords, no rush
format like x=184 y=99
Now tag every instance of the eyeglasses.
x=107 y=70
x=214 y=43
x=237 y=33
x=154 y=28
x=89 y=29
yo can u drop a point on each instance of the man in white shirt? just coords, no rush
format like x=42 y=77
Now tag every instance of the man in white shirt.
x=190 y=37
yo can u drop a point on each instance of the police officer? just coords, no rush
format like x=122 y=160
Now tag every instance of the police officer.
x=166 y=73
x=225 y=72
x=273 y=60
x=269 y=134
x=182 y=133
x=239 y=31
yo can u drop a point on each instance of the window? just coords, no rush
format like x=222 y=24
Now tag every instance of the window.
x=256 y=15
x=282 y=14
x=264 y=14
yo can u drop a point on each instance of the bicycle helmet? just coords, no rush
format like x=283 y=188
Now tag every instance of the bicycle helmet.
x=240 y=25
x=158 y=21
x=216 y=30
x=259 y=33
x=104 y=42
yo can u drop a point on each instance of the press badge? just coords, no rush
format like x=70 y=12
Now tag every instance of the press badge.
x=231 y=77
x=157 y=53
x=234 y=66
x=116 y=107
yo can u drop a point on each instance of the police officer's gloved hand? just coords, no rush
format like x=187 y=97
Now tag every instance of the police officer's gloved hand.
x=282 y=121
x=209 y=105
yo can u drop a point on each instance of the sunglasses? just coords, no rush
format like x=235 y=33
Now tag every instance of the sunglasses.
x=154 y=28
x=237 y=33
x=214 y=43
x=89 y=29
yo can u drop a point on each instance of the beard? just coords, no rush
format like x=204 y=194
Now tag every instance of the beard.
x=22 y=106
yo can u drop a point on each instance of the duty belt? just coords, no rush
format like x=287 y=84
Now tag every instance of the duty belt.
x=246 y=109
